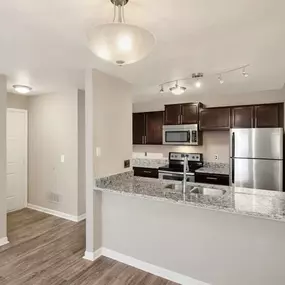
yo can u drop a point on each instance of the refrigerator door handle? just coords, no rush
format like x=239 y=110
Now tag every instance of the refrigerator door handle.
x=233 y=145
x=233 y=171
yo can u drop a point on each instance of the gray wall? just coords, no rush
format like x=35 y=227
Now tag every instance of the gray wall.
x=215 y=247
x=112 y=124
x=53 y=131
x=214 y=143
x=3 y=98
x=17 y=101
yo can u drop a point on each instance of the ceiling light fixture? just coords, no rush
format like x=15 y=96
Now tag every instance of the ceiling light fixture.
x=244 y=73
x=198 y=77
x=177 y=90
x=23 y=89
x=118 y=42
x=220 y=78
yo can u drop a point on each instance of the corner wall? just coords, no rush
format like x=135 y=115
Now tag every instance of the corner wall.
x=112 y=124
x=3 y=214
x=53 y=131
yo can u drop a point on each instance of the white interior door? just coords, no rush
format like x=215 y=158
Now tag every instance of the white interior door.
x=16 y=159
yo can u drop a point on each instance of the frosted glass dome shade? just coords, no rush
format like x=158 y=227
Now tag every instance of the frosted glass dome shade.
x=120 y=43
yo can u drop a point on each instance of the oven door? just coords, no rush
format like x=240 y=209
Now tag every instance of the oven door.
x=177 y=176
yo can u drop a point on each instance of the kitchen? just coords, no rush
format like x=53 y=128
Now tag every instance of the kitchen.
x=208 y=233
x=260 y=126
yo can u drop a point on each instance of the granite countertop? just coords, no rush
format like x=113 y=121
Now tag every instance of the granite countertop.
x=214 y=170
x=149 y=162
x=252 y=202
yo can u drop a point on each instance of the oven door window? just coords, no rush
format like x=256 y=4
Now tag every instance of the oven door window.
x=177 y=136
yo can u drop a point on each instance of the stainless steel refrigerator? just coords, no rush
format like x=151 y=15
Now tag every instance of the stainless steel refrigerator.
x=256 y=158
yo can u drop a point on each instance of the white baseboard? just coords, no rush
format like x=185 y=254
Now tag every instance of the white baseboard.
x=150 y=268
x=92 y=256
x=57 y=213
x=3 y=241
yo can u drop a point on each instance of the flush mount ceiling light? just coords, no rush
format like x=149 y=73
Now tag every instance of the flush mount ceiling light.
x=23 y=89
x=118 y=42
x=177 y=90
x=198 y=77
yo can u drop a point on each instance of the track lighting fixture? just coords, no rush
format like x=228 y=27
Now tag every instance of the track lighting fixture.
x=197 y=77
x=177 y=90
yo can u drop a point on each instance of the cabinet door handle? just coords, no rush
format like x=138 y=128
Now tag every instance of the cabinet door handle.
x=178 y=119
x=146 y=171
x=212 y=178
x=142 y=139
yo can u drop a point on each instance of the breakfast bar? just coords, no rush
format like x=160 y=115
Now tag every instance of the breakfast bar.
x=235 y=233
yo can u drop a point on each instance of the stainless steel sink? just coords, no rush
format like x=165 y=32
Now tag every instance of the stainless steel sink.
x=194 y=190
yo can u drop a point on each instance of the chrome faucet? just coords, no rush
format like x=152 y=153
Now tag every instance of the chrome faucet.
x=185 y=169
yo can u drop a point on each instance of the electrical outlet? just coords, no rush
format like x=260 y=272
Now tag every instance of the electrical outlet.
x=216 y=157
x=127 y=163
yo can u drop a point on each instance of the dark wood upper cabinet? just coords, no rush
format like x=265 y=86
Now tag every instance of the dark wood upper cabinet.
x=172 y=114
x=138 y=128
x=190 y=113
x=242 y=117
x=213 y=119
x=269 y=116
x=154 y=124
x=178 y=114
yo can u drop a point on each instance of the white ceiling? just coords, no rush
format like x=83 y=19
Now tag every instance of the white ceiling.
x=43 y=43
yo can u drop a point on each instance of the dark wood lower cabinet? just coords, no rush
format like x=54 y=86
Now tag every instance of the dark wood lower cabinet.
x=217 y=179
x=146 y=172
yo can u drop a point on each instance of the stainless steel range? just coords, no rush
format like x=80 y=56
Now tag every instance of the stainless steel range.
x=174 y=171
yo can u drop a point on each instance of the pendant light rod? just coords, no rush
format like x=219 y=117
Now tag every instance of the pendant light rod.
x=119 y=6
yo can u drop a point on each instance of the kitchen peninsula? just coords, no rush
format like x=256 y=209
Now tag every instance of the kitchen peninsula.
x=230 y=232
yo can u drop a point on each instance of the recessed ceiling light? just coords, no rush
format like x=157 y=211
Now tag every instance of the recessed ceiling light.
x=177 y=90
x=23 y=89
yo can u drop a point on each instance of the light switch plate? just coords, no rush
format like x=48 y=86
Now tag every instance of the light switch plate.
x=62 y=158
x=98 y=151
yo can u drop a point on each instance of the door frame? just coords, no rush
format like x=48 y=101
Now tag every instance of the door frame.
x=25 y=112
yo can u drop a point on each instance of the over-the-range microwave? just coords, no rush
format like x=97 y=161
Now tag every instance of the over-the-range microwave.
x=181 y=135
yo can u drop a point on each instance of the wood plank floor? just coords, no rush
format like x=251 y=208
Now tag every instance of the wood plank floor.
x=48 y=250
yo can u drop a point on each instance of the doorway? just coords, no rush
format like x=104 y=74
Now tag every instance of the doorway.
x=17 y=156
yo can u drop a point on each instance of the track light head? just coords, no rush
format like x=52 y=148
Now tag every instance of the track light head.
x=161 y=89
x=244 y=73
x=220 y=78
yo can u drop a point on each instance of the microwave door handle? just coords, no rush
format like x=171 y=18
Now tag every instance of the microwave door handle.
x=189 y=137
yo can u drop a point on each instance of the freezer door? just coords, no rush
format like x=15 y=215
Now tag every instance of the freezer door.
x=264 y=143
x=257 y=173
